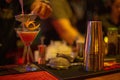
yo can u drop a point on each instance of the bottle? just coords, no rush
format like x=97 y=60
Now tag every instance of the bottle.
x=112 y=34
x=42 y=51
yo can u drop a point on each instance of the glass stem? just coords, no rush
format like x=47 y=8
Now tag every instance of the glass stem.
x=28 y=53
x=24 y=53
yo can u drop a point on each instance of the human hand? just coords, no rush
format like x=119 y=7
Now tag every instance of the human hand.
x=43 y=10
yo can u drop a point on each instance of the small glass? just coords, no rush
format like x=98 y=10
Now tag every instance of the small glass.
x=42 y=49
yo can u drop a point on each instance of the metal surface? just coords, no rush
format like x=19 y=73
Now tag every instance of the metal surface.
x=25 y=17
x=94 y=53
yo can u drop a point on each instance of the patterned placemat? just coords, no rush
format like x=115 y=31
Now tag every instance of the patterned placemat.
x=40 y=75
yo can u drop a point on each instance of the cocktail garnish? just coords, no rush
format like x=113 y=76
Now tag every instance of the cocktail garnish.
x=30 y=25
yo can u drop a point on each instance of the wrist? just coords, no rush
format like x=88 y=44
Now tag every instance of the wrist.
x=45 y=1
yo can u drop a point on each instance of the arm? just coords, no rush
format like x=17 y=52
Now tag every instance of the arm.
x=61 y=16
x=67 y=31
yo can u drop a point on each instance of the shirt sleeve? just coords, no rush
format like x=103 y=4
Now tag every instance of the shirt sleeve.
x=61 y=9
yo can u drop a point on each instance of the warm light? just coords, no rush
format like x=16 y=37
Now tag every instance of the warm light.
x=106 y=39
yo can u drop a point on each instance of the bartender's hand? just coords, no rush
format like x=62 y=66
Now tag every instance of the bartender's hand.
x=42 y=9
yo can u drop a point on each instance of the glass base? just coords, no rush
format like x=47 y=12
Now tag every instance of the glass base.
x=27 y=68
x=27 y=55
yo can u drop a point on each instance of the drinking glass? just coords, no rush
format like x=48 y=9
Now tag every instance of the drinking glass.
x=27 y=38
x=27 y=35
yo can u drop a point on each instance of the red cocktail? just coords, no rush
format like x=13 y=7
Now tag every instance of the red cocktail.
x=27 y=33
x=27 y=37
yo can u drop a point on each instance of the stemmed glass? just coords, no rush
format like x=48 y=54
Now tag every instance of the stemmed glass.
x=27 y=33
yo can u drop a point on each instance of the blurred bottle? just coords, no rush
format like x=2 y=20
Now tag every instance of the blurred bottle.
x=106 y=45
x=80 y=48
x=42 y=51
x=112 y=34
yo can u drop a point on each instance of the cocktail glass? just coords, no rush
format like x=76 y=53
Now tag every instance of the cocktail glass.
x=27 y=36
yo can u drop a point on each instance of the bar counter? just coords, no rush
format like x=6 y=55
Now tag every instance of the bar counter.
x=11 y=72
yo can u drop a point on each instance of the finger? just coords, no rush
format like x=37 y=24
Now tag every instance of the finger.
x=47 y=12
x=36 y=9
x=43 y=10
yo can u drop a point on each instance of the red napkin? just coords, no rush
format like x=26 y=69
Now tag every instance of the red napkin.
x=41 y=75
x=111 y=66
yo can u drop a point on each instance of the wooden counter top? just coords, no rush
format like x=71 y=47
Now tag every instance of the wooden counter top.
x=115 y=76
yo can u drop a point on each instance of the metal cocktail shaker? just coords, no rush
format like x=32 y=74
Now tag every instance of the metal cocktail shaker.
x=94 y=53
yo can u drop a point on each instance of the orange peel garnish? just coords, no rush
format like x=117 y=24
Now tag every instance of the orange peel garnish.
x=30 y=25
